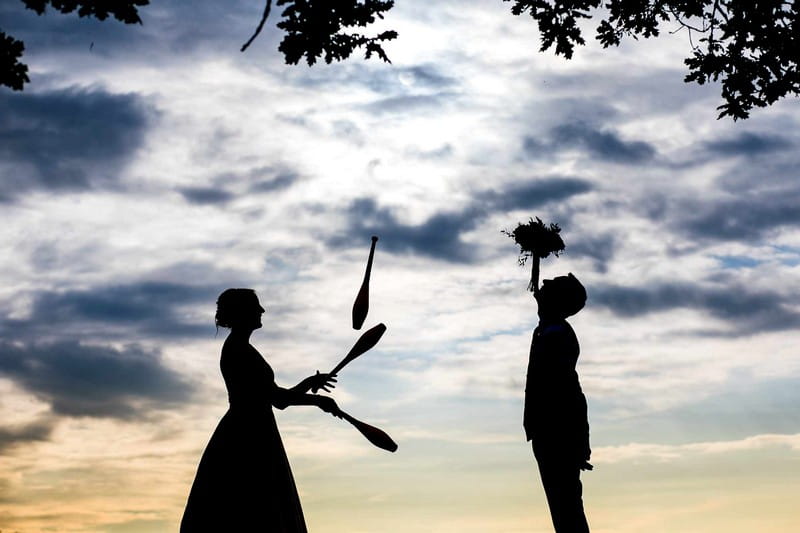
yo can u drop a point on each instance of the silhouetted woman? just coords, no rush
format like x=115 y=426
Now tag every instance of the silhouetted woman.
x=244 y=482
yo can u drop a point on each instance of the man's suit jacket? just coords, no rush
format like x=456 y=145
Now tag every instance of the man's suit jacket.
x=555 y=407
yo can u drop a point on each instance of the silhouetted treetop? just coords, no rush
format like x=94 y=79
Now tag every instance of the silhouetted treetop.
x=315 y=29
x=12 y=73
x=752 y=46
x=126 y=11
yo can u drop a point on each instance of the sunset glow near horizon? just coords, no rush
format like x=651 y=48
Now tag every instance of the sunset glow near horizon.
x=147 y=168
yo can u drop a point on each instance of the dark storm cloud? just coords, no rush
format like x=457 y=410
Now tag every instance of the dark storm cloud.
x=748 y=311
x=748 y=144
x=599 y=248
x=266 y=179
x=175 y=27
x=751 y=200
x=746 y=217
x=38 y=431
x=206 y=195
x=439 y=236
x=426 y=76
x=600 y=144
x=653 y=91
x=151 y=308
x=67 y=140
x=280 y=181
x=90 y=380
x=531 y=194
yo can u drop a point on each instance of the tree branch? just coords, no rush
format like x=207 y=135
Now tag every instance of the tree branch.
x=267 y=7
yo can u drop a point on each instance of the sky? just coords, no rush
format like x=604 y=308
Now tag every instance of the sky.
x=147 y=168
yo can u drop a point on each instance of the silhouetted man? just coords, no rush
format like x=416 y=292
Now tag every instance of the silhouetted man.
x=555 y=417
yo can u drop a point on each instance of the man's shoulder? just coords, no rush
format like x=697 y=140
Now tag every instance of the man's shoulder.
x=556 y=336
x=559 y=328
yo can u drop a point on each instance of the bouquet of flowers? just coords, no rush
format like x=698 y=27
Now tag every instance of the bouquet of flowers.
x=536 y=240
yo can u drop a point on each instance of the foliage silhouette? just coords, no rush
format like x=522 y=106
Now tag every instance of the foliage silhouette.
x=13 y=73
x=751 y=47
x=313 y=29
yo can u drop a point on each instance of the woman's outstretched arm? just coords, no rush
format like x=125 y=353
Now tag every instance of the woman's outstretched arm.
x=283 y=398
x=318 y=381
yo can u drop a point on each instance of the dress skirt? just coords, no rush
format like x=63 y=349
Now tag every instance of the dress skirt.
x=244 y=482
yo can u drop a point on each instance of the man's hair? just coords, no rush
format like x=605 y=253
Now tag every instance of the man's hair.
x=571 y=294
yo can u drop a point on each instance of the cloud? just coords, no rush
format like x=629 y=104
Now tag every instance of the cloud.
x=440 y=236
x=70 y=139
x=425 y=76
x=599 y=248
x=410 y=103
x=206 y=195
x=734 y=404
x=280 y=181
x=92 y=380
x=173 y=29
x=442 y=152
x=138 y=524
x=530 y=194
x=37 y=431
x=265 y=179
x=603 y=145
x=148 y=307
x=748 y=144
x=397 y=81
x=745 y=217
x=581 y=93
x=749 y=311
x=665 y=452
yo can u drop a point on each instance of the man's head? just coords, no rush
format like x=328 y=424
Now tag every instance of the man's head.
x=560 y=297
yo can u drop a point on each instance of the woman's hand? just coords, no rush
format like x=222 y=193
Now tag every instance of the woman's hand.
x=325 y=382
x=328 y=405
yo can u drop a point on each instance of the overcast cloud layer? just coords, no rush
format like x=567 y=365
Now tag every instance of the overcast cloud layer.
x=147 y=168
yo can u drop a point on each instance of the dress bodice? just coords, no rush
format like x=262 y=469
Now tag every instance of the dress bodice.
x=248 y=377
